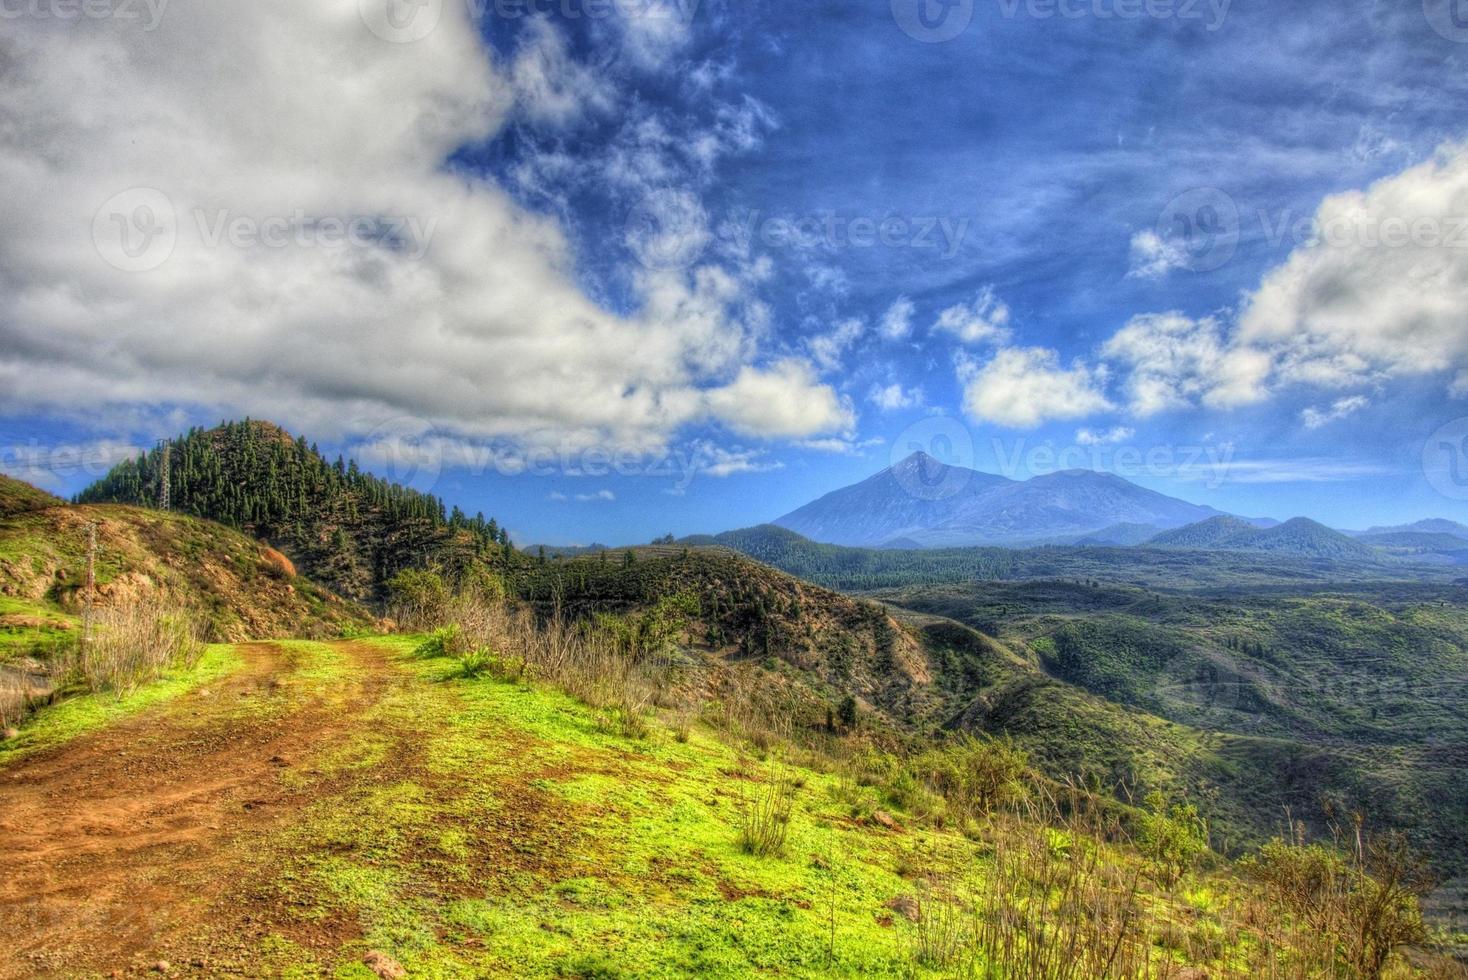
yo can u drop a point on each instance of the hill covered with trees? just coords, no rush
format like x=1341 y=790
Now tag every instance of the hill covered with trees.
x=345 y=528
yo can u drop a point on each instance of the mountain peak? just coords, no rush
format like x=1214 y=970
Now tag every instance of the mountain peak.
x=923 y=501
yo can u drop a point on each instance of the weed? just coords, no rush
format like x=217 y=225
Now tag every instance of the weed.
x=765 y=815
x=474 y=664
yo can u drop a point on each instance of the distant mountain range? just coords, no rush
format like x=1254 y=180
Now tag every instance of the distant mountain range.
x=1433 y=526
x=1301 y=537
x=924 y=503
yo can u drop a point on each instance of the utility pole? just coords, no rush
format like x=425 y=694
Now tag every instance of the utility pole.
x=89 y=596
x=165 y=460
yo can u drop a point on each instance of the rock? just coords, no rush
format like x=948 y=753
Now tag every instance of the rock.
x=384 y=966
x=907 y=907
x=884 y=819
x=162 y=966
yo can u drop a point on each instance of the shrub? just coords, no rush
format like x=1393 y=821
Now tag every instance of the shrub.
x=1350 y=911
x=975 y=776
x=1172 y=836
x=764 y=818
x=418 y=598
x=134 y=644
x=442 y=642
x=475 y=663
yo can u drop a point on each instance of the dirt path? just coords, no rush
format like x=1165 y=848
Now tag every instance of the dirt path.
x=127 y=835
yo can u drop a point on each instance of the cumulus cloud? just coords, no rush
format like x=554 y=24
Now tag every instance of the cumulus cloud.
x=897 y=321
x=1380 y=291
x=1315 y=418
x=784 y=400
x=172 y=232
x=1376 y=294
x=890 y=398
x=1173 y=361
x=1023 y=387
x=1154 y=257
x=985 y=320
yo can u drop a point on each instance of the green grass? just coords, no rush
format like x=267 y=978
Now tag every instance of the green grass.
x=506 y=834
x=88 y=712
x=20 y=641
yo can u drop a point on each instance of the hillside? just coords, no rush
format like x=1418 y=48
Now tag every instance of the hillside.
x=1300 y=537
x=857 y=569
x=821 y=646
x=921 y=501
x=1432 y=525
x=1350 y=696
x=358 y=809
x=450 y=811
x=17 y=497
x=234 y=586
x=347 y=529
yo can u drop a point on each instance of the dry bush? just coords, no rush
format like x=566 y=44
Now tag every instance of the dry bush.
x=133 y=644
x=765 y=815
x=1057 y=902
x=1337 y=910
x=15 y=701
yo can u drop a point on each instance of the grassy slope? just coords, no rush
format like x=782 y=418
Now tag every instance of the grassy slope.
x=221 y=575
x=529 y=843
x=482 y=828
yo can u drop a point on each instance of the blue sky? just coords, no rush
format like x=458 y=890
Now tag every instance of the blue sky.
x=1070 y=234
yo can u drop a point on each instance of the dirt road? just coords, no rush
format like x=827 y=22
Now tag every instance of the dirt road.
x=119 y=839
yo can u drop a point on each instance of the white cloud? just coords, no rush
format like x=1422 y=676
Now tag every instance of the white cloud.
x=709 y=459
x=1022 y=387
x=1315 y=418
x=1173 y=361
x=841 y=447
x=827 y=349
x=550 y=85
x=890 y=398
x=784 y=400
x=480 y=327
x=655 y=32
x=1154 y=258
x=985 y=320
x=584 y=498
x=1377 y=294
x=897 y=321
x=1381 y=291
x=1104 y=437
x=1310 y=470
